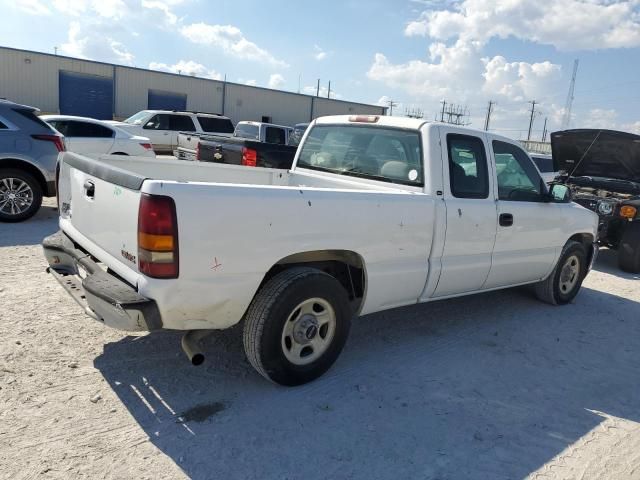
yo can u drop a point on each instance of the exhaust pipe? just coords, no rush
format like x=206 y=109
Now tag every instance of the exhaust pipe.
x=191 y=345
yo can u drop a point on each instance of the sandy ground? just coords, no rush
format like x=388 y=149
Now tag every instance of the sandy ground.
x=485 y=387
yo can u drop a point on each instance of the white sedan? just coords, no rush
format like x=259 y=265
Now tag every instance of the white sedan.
x=95 y=137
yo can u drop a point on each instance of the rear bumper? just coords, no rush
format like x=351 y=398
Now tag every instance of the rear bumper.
x=104 y=297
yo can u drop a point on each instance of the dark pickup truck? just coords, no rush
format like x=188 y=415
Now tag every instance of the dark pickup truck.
x=602 y=168
x=253 y=144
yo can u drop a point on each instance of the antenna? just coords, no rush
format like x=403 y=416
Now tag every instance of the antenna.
x=566 y=120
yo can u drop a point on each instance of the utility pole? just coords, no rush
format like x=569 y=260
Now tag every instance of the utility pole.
x=391 y=104
x=55 y=50
x=544 y=129
x=444 y=104
x=533 y=111
x=329 y=90
x=318 y=89
x=299 y=78
x=488 y=119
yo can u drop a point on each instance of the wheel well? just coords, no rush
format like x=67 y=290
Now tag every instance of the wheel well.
x=344 y=265
x=586 y=240
x=27 y=167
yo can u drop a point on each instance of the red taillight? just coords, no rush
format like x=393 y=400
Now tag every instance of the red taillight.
x=364 y=118
x=249 y=157
x=57 y=140
x=147 y=146
x=157 y=237
x=198 y=151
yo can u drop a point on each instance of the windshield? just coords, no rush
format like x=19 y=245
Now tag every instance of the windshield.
x=138 y=118
x=384 y=154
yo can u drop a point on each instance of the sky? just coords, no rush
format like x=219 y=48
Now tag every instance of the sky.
x=416 y=53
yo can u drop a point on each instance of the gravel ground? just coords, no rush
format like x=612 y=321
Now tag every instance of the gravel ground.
x=491 y=386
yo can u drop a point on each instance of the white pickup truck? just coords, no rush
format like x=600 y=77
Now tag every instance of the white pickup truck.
x=376 y=213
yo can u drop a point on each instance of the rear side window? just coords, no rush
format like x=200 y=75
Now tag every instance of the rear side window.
x=468 y=173
x=384 y=154
x=32 y=117
x=245 y=130
x=181 y=123
x=83 y=129
x=275 y=135
x=216 y=125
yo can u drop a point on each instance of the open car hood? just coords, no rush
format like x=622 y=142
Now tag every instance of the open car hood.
x=609 y=154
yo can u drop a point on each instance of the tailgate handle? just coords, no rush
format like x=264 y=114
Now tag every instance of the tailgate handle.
x=89 y=189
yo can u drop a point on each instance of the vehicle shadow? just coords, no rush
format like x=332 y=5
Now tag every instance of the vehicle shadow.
x=607 y=262
x=488 y=386
x=33 y=230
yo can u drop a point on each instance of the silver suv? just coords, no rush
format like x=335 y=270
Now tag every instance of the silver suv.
x=29 y=151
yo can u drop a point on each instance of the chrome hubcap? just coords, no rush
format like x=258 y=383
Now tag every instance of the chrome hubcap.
x=308 y=331
x=16 y=196
x=569 y=274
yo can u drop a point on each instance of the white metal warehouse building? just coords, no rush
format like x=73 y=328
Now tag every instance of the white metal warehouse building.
x=71 y=86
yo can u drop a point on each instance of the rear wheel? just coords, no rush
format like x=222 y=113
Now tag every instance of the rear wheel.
x=629 y=249
x=565 y=281
x=296 y=326
x=20 y=195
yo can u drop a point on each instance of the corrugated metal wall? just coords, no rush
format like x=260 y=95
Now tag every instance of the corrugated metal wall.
x=250 y=103
x=32 y=78
x=132 y=90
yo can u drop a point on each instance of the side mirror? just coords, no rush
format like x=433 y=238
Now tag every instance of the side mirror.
x=559 y=193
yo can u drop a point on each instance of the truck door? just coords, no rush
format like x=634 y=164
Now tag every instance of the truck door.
x=471 y=213
x=530 y=230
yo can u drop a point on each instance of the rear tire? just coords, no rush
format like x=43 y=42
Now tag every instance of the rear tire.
x=296 y=326
x=565 y=281
x=20 y=195
x=629 y=249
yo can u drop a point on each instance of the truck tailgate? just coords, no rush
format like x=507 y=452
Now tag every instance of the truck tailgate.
x=99 y=210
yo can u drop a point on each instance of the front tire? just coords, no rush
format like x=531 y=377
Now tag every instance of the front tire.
x=20 y=195
x=296 y=326
x=565 y=281
x=629 y=249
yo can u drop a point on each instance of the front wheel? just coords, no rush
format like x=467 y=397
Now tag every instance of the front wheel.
x=629 y=249
x=566 y=279
x=296 y=326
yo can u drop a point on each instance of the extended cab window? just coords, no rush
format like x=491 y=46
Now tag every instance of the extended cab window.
x=275 y=135
x=468 y=174
x=385 y=154
x=518 y=179
x=181 y=123
x=215 y=125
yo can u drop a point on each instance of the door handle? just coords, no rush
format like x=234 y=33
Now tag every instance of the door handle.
x=89 y=189
x=506 y=219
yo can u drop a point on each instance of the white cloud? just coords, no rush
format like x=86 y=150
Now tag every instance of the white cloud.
x=519 y=81
x=112 y=9
x=97 y=42
x=312 y=89
x=32 y=7
x=251 y=83
x=276 y=81
x=231 y=40
x=187 y=67
x=567 y=25
x=632 y=127
x=170 y=18
x=319 y=54
x=600 y=118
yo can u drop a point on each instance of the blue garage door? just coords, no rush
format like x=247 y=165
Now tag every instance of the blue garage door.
x=161 y=100
x=86 y=95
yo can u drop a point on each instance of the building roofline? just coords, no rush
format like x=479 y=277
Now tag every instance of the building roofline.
x=186 y=76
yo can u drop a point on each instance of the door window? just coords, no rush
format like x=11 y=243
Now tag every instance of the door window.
x=181 y=123
x=158 y=122
x=468 y=173
x=275 y=135
x=518 y=178
x=74 y=129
